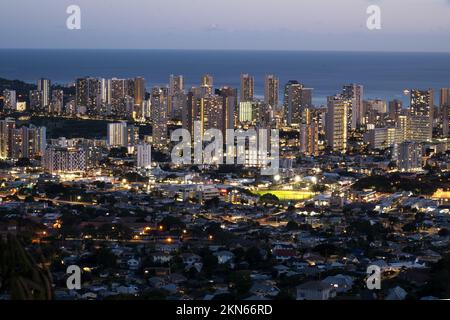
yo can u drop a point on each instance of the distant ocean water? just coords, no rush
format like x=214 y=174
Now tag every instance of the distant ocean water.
x=384 y=75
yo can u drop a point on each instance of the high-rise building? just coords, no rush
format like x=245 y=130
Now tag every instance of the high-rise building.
x=354 y=93
x=394 y=136
x=192 y=112
x=377 y=105
x=309 y=134
x=409 y=156
x=177 y=97
x=372 y=116
x=253 y=112
x=292 y=108
x=229 y=107
x=132 y=135
x=88 y=94
x=21 y=106
x=207 y=81
x=421 y=115
x=117 y=134
x=28 y=142
x=103 y=91
x=271 y=89
x=35 y=100
x=10 y=100
x=70 y=108
x=139 y=90
x=296 y=99
x=128 y=107
x=24 y=142
x=82 y=92
x=403 y=126
x=264 y=113
x=444 y=105
x=246 y=111
x=146 y=109
x=212 y=113
x=395 y=108
x=117 y=90
x=207 y=84
x=7 y=127
x=383 y=137
x=159 y=100
x=247 y=88
x=65 y=160
x=57 y=102
x=44 y=86
x=176 y=84
x=337 y=123
x=144 y=156
x=178 y=103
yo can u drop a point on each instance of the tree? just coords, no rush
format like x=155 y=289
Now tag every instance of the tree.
x=239 y=254
x=23 y=162
x=115 y=231
x=379 y=183
x=318 y=188
x=284 y=295
x=292 y=225
x=134 y=177
x=253 y=256
x=156 y=294
x=105 y=258
x=21 y=275
x=172 y=223
x=409 y=227
x=269 y=198
x=241 y=281
x=219 y=235
x=439 y=284
x=419 y=217
x=326 y=249
x=118 y=152
x=443 y=232
x=123 y=296
x=212 y=203
x=223 y=297
x=69 y=225
x=209 y=262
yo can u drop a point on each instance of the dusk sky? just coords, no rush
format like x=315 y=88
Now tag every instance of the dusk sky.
x=407 y=25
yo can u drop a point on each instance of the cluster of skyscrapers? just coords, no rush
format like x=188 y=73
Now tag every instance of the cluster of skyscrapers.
x=109 y=96
x=318 y=129
x=21 y=141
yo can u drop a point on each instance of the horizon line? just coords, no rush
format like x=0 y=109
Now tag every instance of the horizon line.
x=235 y=50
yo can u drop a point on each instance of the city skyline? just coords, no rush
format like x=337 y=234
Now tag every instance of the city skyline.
x=280 y=186
x=247 y=172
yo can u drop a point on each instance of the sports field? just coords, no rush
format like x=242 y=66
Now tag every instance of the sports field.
x=287 y=195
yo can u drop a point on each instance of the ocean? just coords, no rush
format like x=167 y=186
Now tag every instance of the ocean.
x=384 y=75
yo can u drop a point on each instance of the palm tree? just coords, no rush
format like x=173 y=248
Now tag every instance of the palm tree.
x=21 y=275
